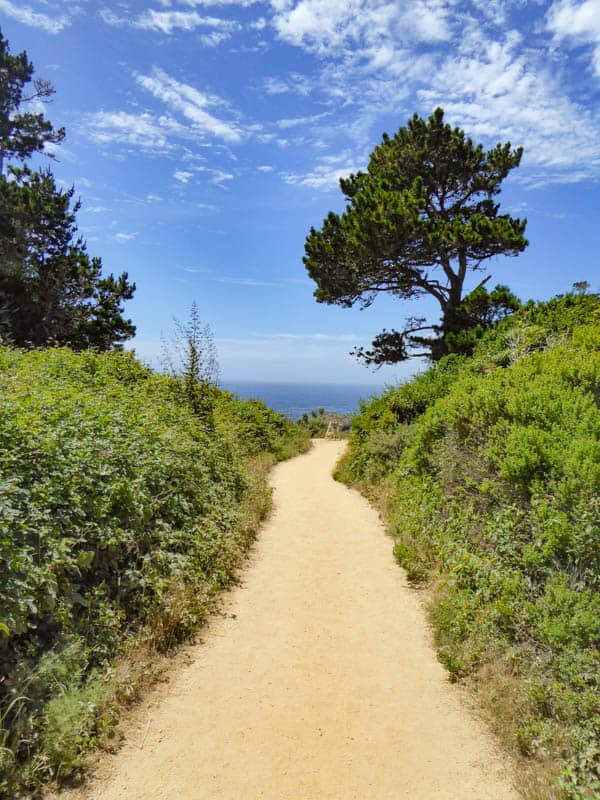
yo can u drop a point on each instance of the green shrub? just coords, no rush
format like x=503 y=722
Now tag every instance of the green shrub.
x=121 y=514
x=490 y=471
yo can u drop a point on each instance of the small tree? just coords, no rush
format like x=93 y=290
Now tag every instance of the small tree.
x=416 y=222
x=190 y=356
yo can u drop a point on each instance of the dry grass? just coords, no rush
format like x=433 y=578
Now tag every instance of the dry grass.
x=500 y=695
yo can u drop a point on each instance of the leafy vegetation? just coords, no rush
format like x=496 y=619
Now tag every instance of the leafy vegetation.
x=122 y=514
x=420 y=217
x=488 y=470
x=317 y=423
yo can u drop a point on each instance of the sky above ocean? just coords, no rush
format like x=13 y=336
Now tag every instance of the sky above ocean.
x=205 y=137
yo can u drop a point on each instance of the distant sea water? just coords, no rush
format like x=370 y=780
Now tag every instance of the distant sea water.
x=294 y=399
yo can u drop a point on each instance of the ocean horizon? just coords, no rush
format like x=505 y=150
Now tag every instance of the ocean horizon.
x=295 y=399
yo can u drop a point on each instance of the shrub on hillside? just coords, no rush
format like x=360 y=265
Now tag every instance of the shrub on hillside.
x=490 y=467
x=121 y=512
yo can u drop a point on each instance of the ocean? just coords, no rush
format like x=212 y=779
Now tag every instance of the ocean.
x=294 y=399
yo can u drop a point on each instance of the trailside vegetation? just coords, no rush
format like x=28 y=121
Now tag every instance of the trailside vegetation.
x=487 y=469
x=122 y=513
x=190 y=354
x=319 y=422
x=417 y=222
x=51 y=290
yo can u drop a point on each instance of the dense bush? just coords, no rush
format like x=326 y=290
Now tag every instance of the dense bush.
x=121 y=513
x=490 y=471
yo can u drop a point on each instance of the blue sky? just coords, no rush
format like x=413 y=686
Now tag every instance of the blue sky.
x=205 y=137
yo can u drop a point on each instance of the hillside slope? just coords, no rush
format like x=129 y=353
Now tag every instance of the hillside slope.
x=488 y=472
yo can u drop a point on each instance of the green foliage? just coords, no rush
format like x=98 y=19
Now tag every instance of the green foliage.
x=22 y=133
x=191 y=356
x=258 y=428
x=51 y=290
x=121 y=514
x=421 y=216
x=318 y=421
x=490 y=468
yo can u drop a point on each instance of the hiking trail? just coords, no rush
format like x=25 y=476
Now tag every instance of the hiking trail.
x=319 y=682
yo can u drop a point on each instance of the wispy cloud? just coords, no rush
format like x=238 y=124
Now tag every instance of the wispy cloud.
x=142 y=130
x=324 y=175
x=375 y=58
x=504 y=92
x=215 y=38
x=27 y=16
x=220 y=3
x=191 y=103
x=217 y=176
x=125 y=237
x=579 y=23
x=295 y=83
x=182 y=176
x=298 y=121
x=248 y=282
x=318 y=337
x=167 y=21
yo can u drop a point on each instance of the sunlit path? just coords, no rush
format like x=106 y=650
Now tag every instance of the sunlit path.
x=320 y=681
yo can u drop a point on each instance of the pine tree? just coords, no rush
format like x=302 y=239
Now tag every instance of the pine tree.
x=416 y=222
x=51 y=290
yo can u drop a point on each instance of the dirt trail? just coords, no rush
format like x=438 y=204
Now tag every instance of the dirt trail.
x=320 y=682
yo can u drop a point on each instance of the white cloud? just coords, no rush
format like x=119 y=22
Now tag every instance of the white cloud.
x=265 y=168
x=295 y=83
x=503 y=92
x=26 y=16
x=190 y=102
x=296 y=121
x=125 y=237
x=182 y=176
x=324 y=26
x=248 y=282
x=579 y=22
x=141 y=130
x=323 y=176
x=215 y=38
x=207 y=3
x=218 y=176
x=318 y=337
x=167 y=21
x=376 y=56
x=327 y=173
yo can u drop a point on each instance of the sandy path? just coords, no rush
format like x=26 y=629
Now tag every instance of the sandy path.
x=323 y=685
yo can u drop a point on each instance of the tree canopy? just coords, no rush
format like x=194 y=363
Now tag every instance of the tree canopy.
x=51 y=290
x=22 y=133
x=416 y=223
